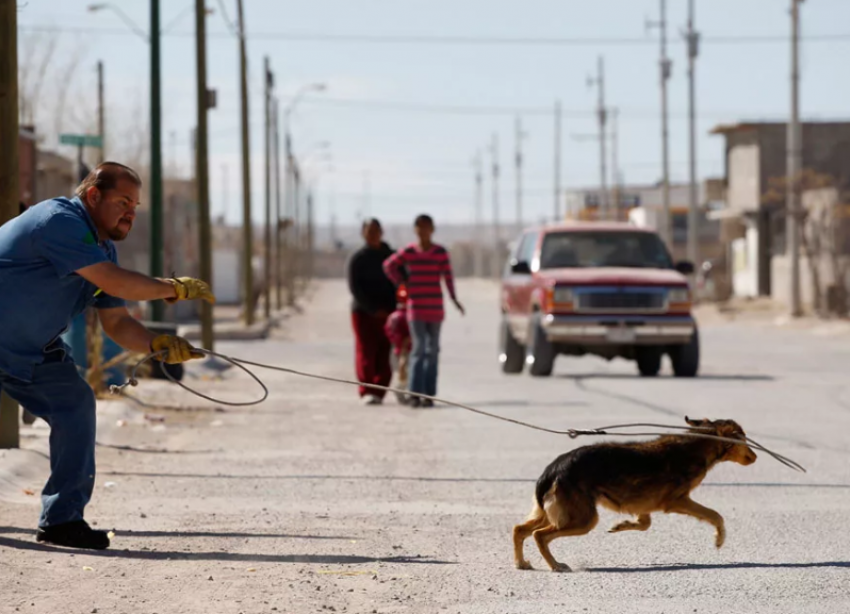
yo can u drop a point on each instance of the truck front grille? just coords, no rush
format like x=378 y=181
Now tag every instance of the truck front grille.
x=621 y=300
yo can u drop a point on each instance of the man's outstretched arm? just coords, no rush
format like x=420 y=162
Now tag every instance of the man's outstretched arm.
x=129 y=285
x=132 y=286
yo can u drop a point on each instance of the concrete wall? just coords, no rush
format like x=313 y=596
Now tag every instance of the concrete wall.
x=781 y=270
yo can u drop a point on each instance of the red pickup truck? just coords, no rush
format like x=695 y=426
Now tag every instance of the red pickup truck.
x=607 y=289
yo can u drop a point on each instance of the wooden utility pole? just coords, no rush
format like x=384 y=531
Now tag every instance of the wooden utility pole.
x=556 y=204
x=794 y=164
x=278 y=251
x=267 y=263
x=9 y=188
x=247 y=228
x=202 y=180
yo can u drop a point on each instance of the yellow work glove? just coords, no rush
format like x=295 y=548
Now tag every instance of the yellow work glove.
x=189 y=288
x=179 y=350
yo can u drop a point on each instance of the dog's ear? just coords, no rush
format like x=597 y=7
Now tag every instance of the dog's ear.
x=703 y=422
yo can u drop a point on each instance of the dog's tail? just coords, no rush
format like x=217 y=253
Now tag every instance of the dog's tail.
x=544 y=485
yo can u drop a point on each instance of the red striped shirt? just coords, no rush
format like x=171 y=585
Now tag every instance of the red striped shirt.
x=425 y=268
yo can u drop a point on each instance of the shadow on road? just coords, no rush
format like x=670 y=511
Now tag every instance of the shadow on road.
x=178 y=533
x=375 y=478
x=754 y=377
x=701 y=567
x=234 y=557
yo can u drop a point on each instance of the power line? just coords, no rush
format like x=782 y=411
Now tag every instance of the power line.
x=418 y=39
x=234 y=31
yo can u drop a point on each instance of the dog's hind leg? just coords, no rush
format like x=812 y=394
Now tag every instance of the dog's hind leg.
x=577 y=519
x=537 y=520
x=700 y=512
x=641 y=524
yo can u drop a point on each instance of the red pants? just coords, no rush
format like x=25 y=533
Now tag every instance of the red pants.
x=372 y=352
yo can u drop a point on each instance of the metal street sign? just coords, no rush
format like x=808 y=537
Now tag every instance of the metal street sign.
x=81 y=140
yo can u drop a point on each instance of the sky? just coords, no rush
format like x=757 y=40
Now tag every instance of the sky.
x=406 y=117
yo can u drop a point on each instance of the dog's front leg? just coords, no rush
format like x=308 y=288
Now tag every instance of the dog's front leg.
x=641 y=524
x=700 y=512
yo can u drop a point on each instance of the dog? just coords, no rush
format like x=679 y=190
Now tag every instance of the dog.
x=631 y=478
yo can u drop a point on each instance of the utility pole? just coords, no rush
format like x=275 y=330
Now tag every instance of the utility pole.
x=101 y=120
x=156 y=229
x=9 y=178
x=290 y=208
x=310 y=230
x=278 y=213
x=665 y=66
x=692 y=39
x=247 y=228
x=794 y=164
x=497 y=243
x=616 y=185
x=557 y=200
x=602 y=116
x=267 y=268
x=202 y=180
x=520 y=135
x=479 y=222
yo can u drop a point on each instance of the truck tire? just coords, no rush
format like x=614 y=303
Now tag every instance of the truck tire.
x=685 y=358
x=540 y=354
x=648 y=360
x=511 y=352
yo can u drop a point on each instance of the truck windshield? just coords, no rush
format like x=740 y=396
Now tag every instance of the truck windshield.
x=604 y=249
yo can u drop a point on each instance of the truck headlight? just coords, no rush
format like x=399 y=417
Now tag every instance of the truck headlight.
x=563 y=295
x=679 y=295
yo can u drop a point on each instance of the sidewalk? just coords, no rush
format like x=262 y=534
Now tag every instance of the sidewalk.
x=765 y=313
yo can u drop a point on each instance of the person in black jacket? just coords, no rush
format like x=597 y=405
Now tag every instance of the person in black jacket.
x=373 y=299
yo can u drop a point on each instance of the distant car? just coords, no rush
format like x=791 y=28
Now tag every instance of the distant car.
x=606 y=289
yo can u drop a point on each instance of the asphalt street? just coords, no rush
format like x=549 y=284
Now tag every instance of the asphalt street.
x=314 y=503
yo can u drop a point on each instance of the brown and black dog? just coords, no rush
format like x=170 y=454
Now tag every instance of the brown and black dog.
x=630 y=478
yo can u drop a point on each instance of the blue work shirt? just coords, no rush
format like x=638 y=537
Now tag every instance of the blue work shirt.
x=40 y=293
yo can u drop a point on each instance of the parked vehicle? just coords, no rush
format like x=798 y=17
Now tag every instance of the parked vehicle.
x=606 y=289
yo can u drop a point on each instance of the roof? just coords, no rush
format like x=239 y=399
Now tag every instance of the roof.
x=749 y=126
x=744 y=127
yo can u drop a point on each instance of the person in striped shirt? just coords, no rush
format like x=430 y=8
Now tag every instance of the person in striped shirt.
x=427 y=263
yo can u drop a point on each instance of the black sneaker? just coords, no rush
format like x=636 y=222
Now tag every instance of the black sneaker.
x=414 y=401
x=77 y=534
x=427 y=403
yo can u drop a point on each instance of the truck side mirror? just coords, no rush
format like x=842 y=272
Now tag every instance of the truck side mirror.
x=520 y=267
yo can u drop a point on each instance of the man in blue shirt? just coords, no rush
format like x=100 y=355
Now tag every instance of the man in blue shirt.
x=56 y=259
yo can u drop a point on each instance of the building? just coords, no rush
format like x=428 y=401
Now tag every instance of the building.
x=643 y=205
x=754 y=213
x=55 y=176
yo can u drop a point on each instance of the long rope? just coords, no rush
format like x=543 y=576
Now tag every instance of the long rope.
x=572 y=433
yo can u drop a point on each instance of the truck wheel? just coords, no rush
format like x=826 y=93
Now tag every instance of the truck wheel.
x=511 y=353
x=685 y=358
x=648 y=360
x=540 y=355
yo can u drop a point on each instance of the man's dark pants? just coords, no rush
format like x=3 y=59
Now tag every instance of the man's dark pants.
x=59 y=396
x=372 y=352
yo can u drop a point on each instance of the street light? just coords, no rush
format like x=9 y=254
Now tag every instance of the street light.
x=156 y=215
x=107 y=6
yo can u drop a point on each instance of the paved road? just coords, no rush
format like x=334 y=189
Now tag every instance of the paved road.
x=312 y=503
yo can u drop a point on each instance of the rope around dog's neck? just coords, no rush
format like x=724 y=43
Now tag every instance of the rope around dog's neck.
x=572 y=433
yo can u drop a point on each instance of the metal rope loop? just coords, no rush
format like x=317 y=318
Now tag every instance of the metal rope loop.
x=571 y=433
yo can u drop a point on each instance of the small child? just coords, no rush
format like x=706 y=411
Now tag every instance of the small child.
x=398 y=333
